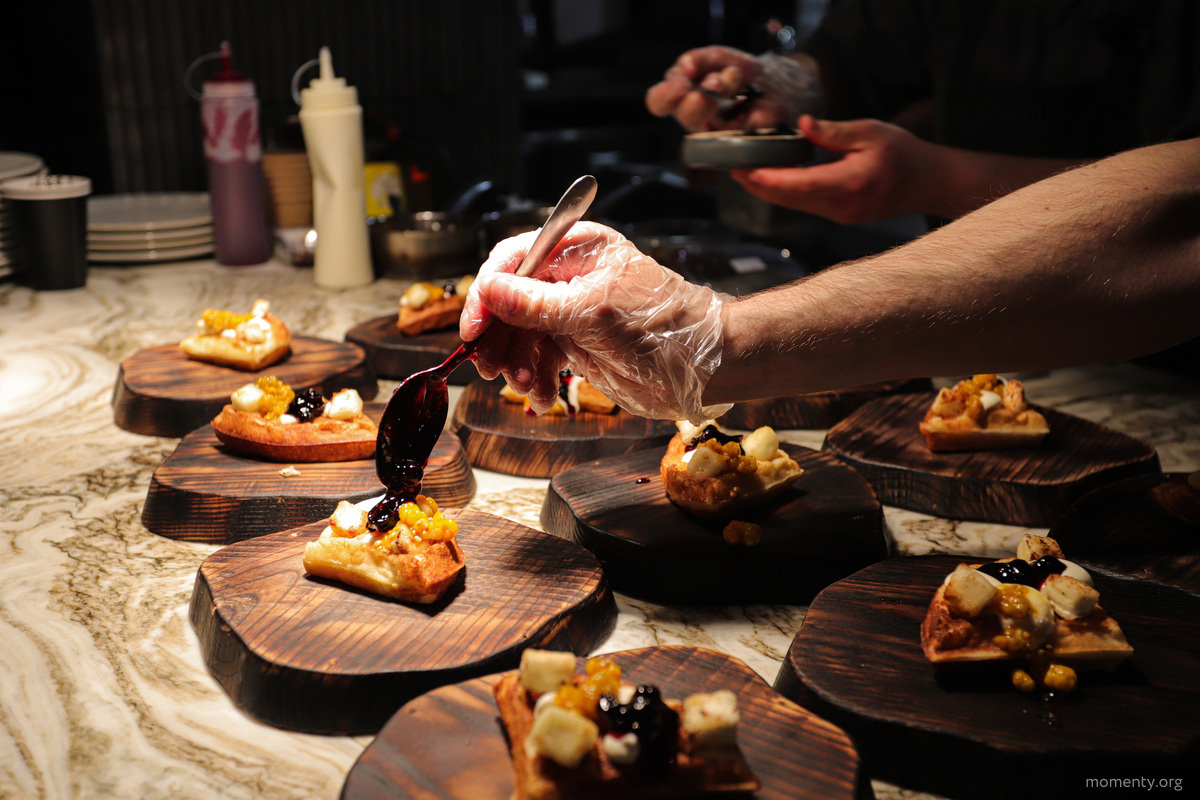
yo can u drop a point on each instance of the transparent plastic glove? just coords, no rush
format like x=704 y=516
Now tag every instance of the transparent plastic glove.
x=789 y=89
x=640 y=333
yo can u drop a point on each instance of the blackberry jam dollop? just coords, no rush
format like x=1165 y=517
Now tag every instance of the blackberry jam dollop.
x=654 y=723
x=1023 y=572
x=307 y=405
x=711 y=432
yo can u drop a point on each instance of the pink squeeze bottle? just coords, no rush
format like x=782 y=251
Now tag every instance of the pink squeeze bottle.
x=233 y=149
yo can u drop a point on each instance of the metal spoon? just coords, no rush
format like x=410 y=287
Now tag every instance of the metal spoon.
x=416 y=414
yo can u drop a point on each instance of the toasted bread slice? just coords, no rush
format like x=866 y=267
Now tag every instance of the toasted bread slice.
x=322 y=439
x=590 y=399
x=434 y=315
x=730 y=492
x=695 y=771
x=1180 y=497
x=960 y=420
x=1093 y=642
x=239 y=347
x=410 y=570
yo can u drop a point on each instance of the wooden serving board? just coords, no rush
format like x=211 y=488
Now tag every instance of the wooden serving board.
x=500 y=436
x=824 y=527
x=1030 y=486
x=313 y=655
x=816 y=410
x=393 y=355
x=204 y=492
x=450 y=743
x=161 y=392
x=1123 y=527
x=857 y=662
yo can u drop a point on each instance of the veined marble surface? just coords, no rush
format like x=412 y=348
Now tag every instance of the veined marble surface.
x=103 y=691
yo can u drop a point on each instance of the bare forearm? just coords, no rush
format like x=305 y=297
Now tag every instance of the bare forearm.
x=967 y=179
x=1100 y=263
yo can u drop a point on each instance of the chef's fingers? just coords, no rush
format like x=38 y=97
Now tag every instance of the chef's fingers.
x=838 y=137
x=548 y=360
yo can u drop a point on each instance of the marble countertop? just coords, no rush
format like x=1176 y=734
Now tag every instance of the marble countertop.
x=103 y=690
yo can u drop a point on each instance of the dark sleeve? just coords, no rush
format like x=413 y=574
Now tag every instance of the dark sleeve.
x=873 y=56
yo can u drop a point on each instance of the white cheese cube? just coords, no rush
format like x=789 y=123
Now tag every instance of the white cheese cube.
x=246 y=398
x=415 y=296
x=968 y=592
x=255 y=330
x=1033 y=547
x=761 y=444
x=348 y=519
x=546 y=670
x=562 y=736
x=1070 y=598
x=711 y=719
x=346 y=404
x=704 y=463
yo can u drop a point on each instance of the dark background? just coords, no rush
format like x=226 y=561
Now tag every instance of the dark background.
x=520 y=92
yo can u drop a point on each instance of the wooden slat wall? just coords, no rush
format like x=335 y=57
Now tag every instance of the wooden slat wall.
x=446 y=69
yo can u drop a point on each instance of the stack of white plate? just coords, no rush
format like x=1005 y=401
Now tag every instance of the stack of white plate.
x=12 y=254
x=149 y=228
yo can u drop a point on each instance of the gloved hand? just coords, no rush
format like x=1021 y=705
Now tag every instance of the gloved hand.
x=640 y=333
x=789 y=89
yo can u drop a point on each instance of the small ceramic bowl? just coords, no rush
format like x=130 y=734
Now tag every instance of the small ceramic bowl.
x=745 y=149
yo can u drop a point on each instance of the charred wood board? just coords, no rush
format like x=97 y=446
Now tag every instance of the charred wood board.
x=161 y=392
x=1030 y=486
x=500 y=436
x=393 y=355
x=204 y=492
x=1125 y=527
x=450 y=742
x=824 y=527
x=857 y=662
x=308 y=654
x=816 y=410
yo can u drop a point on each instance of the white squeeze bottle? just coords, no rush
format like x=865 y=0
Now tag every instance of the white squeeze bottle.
x=331 y=120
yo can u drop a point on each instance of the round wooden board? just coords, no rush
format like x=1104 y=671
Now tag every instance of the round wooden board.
x=814 y=411
x=1123 y=527
x=857 y=662
x=450 y=743
x=824 y=527
x=500 y=436
x=396 y=356
x=203 y=492
x=161 y=392
x=313 y=655
x=1030 y=486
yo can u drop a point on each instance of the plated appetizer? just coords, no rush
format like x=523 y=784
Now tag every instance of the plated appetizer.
x=575 y=394
x=267 y=419
x=1038 y=610
x=428 y=306
x=982 y=413
x=716 y=475
x=1180 y=496
x=598 y=736
x=247 y=342
x=416 y=561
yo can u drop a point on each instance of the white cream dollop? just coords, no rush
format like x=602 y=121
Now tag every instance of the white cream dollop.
x=989 y=399
x=622 y=749
x=1040 y=620
x=345 y=404
x=288 y=419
